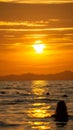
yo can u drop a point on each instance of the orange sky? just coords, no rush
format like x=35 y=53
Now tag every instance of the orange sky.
x=21 y=25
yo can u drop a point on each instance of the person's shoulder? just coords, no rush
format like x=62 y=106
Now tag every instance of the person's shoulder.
x=68 y=116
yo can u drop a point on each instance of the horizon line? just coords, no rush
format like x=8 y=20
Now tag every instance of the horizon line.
x=30 y=73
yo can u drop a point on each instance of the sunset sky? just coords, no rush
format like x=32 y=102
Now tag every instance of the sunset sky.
x=25 y=22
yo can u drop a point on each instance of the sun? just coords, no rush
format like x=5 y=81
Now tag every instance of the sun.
x=39 y=46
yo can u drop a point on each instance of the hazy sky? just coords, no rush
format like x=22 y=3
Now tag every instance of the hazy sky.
x=22 y=23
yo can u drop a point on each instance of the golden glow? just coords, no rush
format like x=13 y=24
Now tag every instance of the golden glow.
x=39 y=109
x=38 y=46
x=40 y=87
x=38 y=91
x=35 y=43
x=39 y=113
x=40 y=125
x=42 y=111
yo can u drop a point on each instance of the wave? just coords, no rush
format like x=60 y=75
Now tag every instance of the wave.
x=3 y=124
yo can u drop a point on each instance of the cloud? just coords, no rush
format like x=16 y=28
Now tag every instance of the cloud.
x=14 y=32
x=35 y=29
x=35 y=12
x=26 y=23
x=50 y=22
x=38 y=1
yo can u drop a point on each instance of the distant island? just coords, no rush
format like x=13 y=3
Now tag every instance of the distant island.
x=65 y=75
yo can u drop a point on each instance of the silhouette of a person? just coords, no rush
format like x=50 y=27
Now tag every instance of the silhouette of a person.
x=61 y=113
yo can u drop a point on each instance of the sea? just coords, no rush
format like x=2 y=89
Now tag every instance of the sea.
x=29 y=105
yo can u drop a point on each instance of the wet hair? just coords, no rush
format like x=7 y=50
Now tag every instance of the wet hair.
x=61 y=113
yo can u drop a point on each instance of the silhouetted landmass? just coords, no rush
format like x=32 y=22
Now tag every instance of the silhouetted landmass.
x=66 y=75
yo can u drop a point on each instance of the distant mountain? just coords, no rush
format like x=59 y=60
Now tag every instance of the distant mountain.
x=66 y=75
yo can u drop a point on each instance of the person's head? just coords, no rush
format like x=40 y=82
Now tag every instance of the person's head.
x=61 y=111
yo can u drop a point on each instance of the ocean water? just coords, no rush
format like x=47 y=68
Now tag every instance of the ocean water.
x=28 y=105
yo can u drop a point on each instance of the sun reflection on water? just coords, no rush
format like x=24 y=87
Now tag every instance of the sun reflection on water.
x=41 y=125
x=39 y=115
x=38 y=87
x=40 y=111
